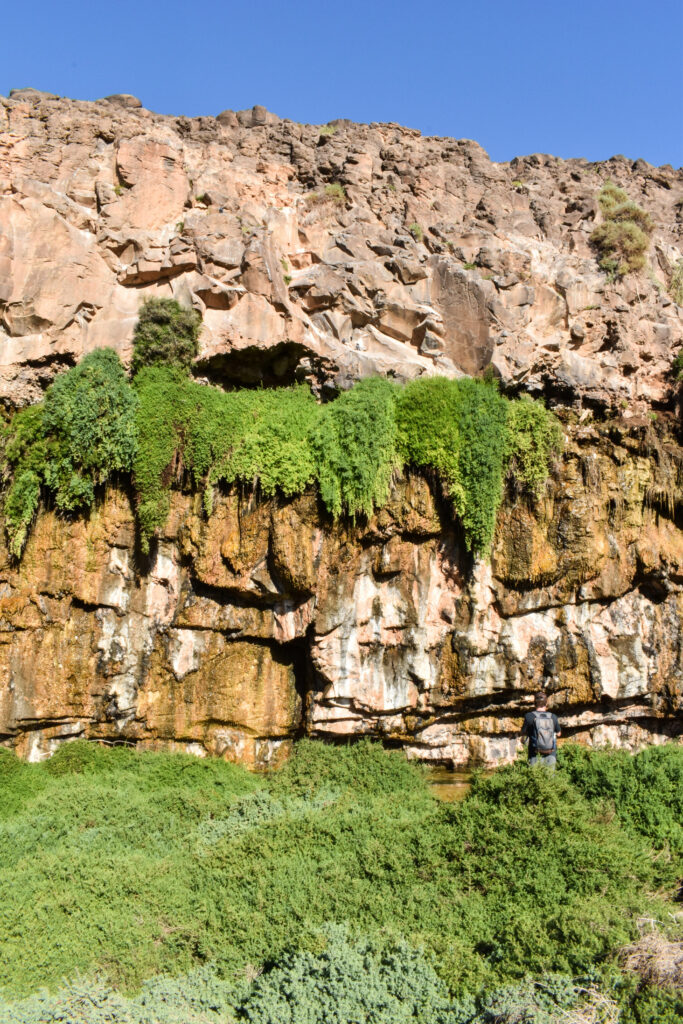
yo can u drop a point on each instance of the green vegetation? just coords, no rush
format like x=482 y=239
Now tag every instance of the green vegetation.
x=165 y=333
x=255 y=437
x=676 y=283
x=623 y=237
x=678 y=367
x=336 y=888
x=468 y=433
x=168 y=430
x=335 y=191
x=416 y=231
x=328 y=129
x=76 y=439
x=354 y=447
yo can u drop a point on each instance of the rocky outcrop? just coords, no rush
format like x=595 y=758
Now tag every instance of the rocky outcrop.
x=268 y=621
x=326 y=254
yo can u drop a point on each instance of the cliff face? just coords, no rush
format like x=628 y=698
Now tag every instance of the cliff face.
x=267 y=621
x=325 y=254
x=329 y=255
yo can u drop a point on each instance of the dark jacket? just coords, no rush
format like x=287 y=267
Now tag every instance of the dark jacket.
x=529 y=729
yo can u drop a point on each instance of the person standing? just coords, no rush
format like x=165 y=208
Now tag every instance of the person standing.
x=541 y=728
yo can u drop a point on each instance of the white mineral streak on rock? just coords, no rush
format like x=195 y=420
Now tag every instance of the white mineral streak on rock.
x=291 y=620
x=124 y=642
x=163 y=585
x=116 y=585
x=185 y=649
x=380 y=657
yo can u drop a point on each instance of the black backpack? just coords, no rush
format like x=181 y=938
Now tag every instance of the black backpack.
x=544 y=732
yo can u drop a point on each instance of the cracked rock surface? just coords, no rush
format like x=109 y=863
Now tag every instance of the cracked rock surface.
x=323 y=254
x=327 y=255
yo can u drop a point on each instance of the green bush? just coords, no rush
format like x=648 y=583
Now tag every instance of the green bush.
x=335 y=191
x=676 y=283
x=645 y=790
x=678 y=367
x=165 y=334
x=354 y=448
x=77 y=438
x=467 y=432
x=255 y=437
x=129 y=865
x=624 y=236
x=362 y=982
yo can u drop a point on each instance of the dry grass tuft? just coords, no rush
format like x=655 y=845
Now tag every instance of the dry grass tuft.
x=656 y=959
x=595 y=1008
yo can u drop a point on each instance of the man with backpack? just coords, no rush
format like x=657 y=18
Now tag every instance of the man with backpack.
x=542 y=728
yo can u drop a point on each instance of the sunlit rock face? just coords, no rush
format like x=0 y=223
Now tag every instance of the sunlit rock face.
x=268 y=621
x=326 y=257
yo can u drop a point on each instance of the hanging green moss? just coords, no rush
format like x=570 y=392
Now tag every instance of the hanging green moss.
x=259 y=438
x=83 y=432
x=354 y=448
x=169 y=430
x=467 y=432
x=535 y=436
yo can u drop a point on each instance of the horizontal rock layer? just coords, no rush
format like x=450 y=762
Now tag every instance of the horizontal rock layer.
x=268 y=621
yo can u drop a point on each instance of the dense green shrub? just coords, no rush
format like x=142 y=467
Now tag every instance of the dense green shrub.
x=364 y=982
x=83 y=432
x=623 y=237
x=354 y=448
x=654 y=1006
x=256 y=437
x=468 y=433
x=165 y=334
x=645 y=790
x=139 y=864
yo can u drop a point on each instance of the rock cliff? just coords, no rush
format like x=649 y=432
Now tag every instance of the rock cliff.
x=327 y=254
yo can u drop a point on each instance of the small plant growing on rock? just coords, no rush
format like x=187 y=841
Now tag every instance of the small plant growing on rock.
x=165 y=333
x=328 y=129
x=676 y=284
x=624 y=235
x=678 y=367
x=416 y=231
x=336 y=192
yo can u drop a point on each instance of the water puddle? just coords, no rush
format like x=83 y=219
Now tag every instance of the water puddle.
x=449 y=784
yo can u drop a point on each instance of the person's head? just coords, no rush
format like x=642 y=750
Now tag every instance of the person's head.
x=540 y=701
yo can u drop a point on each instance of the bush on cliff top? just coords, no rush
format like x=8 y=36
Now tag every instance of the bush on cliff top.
x=165 y=334
x=171 y=430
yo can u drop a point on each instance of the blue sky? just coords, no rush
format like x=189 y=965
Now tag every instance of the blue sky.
x=580 y=79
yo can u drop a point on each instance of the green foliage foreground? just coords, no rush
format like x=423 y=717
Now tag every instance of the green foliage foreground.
x=168 y=430
x=335 y=889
